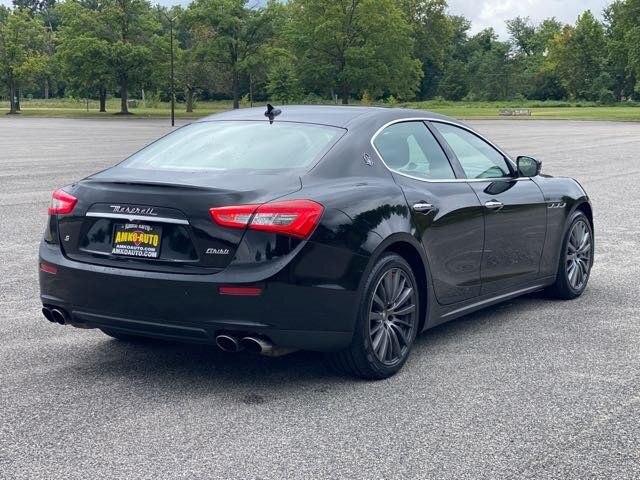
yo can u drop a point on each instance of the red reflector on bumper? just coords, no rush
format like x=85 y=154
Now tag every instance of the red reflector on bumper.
x=48 y=268
x=250 y=291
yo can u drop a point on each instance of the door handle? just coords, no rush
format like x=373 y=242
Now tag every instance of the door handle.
x=423 y=208
x=494 y=205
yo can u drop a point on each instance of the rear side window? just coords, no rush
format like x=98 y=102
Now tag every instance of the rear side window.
x=237 y=145
x=411 y=149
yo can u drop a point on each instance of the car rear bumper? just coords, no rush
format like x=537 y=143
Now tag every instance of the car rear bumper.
x=291 y=311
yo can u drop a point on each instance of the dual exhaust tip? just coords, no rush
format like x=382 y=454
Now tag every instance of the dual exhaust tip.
x=55 y=315
x=229 y=343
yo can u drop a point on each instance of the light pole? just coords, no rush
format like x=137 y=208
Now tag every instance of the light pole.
x=173 y=83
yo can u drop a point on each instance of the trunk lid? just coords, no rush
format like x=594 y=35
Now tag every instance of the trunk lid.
x=171 y=208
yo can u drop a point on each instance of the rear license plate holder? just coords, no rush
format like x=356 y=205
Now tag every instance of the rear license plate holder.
x=136 y=240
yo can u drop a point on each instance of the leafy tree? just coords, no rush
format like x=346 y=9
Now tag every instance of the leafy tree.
x=489 y=67
x=22 y=56
x=194 y=70
x=283 y=82
x=354 y=45
x=622 y=19
x=133 y=36
x=523 y=34
x=432 y=31
x=577 y=56
x=84 y=51
x=235 y=34
x=109 y=42
x=454 y=85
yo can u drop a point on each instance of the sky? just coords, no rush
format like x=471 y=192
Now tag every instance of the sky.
x=493 y=13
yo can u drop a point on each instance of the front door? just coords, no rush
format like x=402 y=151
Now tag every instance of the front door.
x=514 y=211
x=447 y=214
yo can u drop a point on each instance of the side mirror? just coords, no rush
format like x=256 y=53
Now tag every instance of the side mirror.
x=528 y=167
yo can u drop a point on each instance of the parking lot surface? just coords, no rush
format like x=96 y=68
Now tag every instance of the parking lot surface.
x=533 y=388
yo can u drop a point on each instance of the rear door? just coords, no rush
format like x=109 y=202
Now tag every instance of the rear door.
x=515 y=211
x=447 y=215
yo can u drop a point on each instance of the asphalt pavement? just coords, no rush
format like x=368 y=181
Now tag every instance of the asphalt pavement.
x=533 y=388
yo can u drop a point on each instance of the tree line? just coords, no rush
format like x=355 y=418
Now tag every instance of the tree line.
x=311 y=51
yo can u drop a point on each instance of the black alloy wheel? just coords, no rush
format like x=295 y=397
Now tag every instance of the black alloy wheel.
x=387 y=324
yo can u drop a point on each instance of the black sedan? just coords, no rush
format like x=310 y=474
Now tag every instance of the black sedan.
x=347 y=230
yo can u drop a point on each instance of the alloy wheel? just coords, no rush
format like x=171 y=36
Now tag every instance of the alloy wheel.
x=392 y=316
x=578 y=259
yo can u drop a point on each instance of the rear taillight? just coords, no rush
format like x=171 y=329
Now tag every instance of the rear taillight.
x=296 y=218
x=62 y=202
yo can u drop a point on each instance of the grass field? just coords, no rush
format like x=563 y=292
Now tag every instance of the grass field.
x=465 y=110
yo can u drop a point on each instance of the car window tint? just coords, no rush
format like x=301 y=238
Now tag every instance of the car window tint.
x=410 y=148
x=477 y=157
x=237 y=145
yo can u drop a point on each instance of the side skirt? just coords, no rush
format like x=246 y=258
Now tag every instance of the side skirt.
x=439 y=314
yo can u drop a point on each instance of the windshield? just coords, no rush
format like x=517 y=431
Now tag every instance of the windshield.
x=237 y=145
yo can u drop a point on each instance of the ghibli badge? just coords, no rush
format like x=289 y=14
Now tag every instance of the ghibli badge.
x=217 y=251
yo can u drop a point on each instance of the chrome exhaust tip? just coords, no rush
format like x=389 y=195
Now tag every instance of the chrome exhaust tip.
x=227 y=343
x=46 y=311
x=256 y=345
x=263 y=347
x=59 y=316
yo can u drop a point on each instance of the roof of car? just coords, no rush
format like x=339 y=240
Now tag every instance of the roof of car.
x=336 y=115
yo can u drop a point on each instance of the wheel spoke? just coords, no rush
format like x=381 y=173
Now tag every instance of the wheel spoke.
x=375 y=316
x=572 y=273
x=406 y=294
x=379 y=301
x=398 y=289
x=377 y=339
x=400 y=333
x=396 y=350
x=400 y=321
x=405 y=310
x=376 y=328
x=384 y=343
x=584 y=241
x=579 y=275
x=387 y=283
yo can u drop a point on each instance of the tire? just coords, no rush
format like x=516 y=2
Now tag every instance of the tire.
x=123 y=337
x=389 y=319
x=574 y=266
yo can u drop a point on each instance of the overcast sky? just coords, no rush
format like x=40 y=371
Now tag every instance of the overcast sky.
x=493 y=13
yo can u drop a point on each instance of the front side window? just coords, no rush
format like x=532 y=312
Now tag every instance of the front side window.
x=477 y=158
x=411 y=149
x=237 y=146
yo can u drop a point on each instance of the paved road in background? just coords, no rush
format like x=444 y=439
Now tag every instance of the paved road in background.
x=531 y=389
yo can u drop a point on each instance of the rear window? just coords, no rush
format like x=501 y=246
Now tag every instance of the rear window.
x=237 y=145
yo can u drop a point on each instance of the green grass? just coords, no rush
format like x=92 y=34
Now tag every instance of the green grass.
x=539 y=110
x=69 y=108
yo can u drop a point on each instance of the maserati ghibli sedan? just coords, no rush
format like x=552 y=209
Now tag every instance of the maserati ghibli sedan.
x=345 y=230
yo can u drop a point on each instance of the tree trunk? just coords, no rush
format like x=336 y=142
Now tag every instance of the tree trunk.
x=345 y=95
x=17 y=99
x=124 y=108
x=12 y=98
x=189 y=100
x=46 y=89
x=236 y=90
x=103 y=98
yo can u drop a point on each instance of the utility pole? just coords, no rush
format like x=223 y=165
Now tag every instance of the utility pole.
x=173 y=84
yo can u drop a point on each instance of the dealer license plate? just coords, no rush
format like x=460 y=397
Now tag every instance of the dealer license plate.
x=136 y=240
